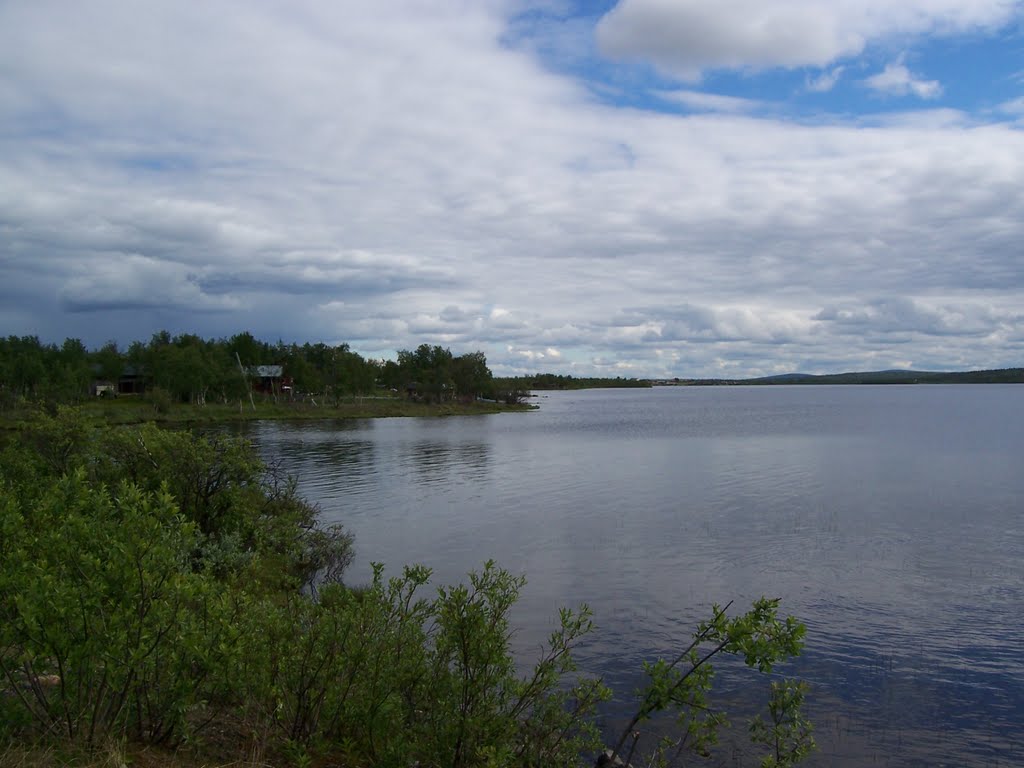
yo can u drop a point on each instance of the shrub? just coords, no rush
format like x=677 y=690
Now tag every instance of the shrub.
x=683 y=685
x=251 y=520
x=148 y=577
x=160 y=399
x=387 y=676
x=108 y=633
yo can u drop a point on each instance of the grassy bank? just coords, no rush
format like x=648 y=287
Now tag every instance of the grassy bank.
x=138 y=410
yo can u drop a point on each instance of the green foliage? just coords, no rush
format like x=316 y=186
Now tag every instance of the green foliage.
x=683 y=686
x=105 y=632
x=57 y=441
x=788 y=735
x=41 y=372
x=389 y=676
x=188 y=369
x=434 y=375
x=427 y=373
x=471 y=376
x=510 y=395
x=160 y=399
x=152 y=580
x=250 y=519
x=109 y=362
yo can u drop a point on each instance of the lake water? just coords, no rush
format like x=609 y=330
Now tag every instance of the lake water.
x=889 y=519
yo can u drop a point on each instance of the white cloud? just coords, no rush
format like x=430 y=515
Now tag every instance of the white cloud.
x=897 y=80
x=1013 y=107
x=392 y=174
x=687 y=37
x=825 y=81
x=535 y=357
x=901 y=315
x=710 y=102
x=751 y=323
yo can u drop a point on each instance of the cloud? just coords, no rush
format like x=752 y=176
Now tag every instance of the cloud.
x=897 y=80
x=544 y=357
x=825 y=81
x=393 y=174
x=901 y=315
x=709 y=324
x=700 y=101
x=685 y=38
x=1013 y=106
x=135 y=282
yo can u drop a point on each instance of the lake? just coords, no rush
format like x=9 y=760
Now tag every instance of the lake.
x=889 y=519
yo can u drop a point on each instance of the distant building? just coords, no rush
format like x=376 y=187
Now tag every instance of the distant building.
x=101 y=388
x=131 y=381
x=269 y=380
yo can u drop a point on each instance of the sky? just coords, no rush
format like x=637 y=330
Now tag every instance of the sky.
x=649 y=188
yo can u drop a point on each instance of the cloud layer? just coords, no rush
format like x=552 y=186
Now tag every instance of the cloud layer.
x=687 y=37
x=395 y=173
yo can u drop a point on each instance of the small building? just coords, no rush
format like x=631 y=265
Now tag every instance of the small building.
x=131 y=381
x=269 y=380
x=101 y=388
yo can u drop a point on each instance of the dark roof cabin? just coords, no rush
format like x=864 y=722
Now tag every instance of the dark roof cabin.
x=269 y=379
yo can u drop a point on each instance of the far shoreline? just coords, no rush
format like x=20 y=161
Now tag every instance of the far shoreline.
x=990 y=376
x=138 y=410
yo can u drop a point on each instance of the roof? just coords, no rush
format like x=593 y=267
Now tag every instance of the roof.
x=267 y=371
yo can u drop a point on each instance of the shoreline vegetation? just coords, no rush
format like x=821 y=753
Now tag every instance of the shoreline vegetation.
x=185 y=379
x=169 y=600
x=136 y=410
x=546 y=382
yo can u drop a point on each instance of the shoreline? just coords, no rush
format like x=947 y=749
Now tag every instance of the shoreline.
x=136 y=411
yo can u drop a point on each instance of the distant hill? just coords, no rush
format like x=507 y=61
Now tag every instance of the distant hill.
x=1001 y=376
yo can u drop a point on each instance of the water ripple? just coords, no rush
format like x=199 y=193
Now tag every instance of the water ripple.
x=888 y=519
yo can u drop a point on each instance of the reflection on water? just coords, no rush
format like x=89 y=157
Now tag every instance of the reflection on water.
x=442 y=462
x=357 y=458
x=888 y=518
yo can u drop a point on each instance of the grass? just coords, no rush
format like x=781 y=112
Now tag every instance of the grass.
x=137 y=410
x=226 y=742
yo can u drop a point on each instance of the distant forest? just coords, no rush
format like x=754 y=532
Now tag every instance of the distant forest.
x=194 y=370
x=999 y=376
x=551 y=381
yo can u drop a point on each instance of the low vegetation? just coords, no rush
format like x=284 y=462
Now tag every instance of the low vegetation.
x=164 y=593
x=141 y=410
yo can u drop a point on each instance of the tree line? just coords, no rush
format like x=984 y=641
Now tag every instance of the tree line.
x=196 y=370
x=550 y=381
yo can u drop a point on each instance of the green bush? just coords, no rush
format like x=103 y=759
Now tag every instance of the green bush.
x=109 y=633
x=160 y=399
x=388 y=676
x=152 y=581
x=252 y=522
x=682 y=687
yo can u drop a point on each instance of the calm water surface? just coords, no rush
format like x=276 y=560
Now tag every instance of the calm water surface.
x=889 y=519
